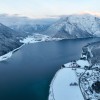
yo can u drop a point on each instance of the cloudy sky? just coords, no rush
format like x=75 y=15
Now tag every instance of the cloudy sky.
x=41 y=8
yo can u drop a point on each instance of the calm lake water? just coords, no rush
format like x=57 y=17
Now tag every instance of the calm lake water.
x=28 y=73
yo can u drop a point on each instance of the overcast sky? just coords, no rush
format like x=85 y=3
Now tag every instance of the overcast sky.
x=40 y=8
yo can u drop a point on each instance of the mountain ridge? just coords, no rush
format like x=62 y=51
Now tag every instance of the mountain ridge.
x=75 y=26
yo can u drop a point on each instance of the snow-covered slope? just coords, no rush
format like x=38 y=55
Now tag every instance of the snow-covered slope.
x=8 y=39
x=75 y=26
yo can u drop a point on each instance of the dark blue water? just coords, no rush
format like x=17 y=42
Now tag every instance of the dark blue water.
x=28 y=73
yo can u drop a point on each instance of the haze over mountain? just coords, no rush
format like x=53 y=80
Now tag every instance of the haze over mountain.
x=70 y=26
x=26 y=25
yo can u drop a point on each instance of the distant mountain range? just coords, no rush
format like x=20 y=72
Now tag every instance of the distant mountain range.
x=25 y=25
x=75 y=26
x=71 y=26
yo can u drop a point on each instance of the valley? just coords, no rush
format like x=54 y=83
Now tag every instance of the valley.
x=33 y=50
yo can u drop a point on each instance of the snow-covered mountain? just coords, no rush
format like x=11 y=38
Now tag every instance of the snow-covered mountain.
x=71 y=26
x=29 y=29
x=8 y=39
x=75 y=26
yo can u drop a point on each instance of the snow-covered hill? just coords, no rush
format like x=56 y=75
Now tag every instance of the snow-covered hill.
x=8 y=39
x=75 y=26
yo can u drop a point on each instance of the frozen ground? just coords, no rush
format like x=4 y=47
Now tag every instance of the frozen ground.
x=6 y=56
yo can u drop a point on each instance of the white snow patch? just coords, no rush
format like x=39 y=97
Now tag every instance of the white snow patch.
x=78 y=70
x=82 y=63
x=68 y=64
x=28 y=40
x=6 y=56
x=89 y=50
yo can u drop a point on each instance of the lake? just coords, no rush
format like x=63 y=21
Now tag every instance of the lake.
x=28 y=73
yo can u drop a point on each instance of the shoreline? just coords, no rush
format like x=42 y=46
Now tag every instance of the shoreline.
x=9 y=54
x=73 y=66
x=64 y=83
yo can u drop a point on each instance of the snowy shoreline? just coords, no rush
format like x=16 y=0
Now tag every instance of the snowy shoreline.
x=75 y=80
x=9 y=54
x=30 y=39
